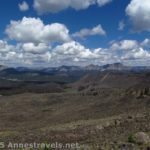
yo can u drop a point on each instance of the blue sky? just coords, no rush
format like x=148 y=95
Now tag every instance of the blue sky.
x=87 y=31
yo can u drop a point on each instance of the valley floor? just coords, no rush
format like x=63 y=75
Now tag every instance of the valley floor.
x=107 y=120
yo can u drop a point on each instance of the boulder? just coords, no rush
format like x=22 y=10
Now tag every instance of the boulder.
x=142 y=138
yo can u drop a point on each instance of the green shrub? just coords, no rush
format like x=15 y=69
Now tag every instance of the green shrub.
x=131 y=139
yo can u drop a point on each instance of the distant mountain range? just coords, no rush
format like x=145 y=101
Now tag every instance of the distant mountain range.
x=69 y=69
x=91 y=67
x=114 y=75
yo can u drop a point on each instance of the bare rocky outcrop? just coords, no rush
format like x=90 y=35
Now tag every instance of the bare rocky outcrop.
x=140 y=92
x=142 y=138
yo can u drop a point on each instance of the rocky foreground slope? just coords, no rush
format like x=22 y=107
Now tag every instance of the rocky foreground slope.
x=107 y=111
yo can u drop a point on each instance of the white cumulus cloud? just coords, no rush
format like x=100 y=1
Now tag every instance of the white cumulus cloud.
x=23 y=6
x=54 y=6
x=103 y=2
x=39 y=48
x=121 y=25
x=35 y=31
x=124 y=45
x=5 y=47
x=139 y=13
x=98 y=30
x=74 y=49
x=146 y=43
x=76 y=54
x=138 y=53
